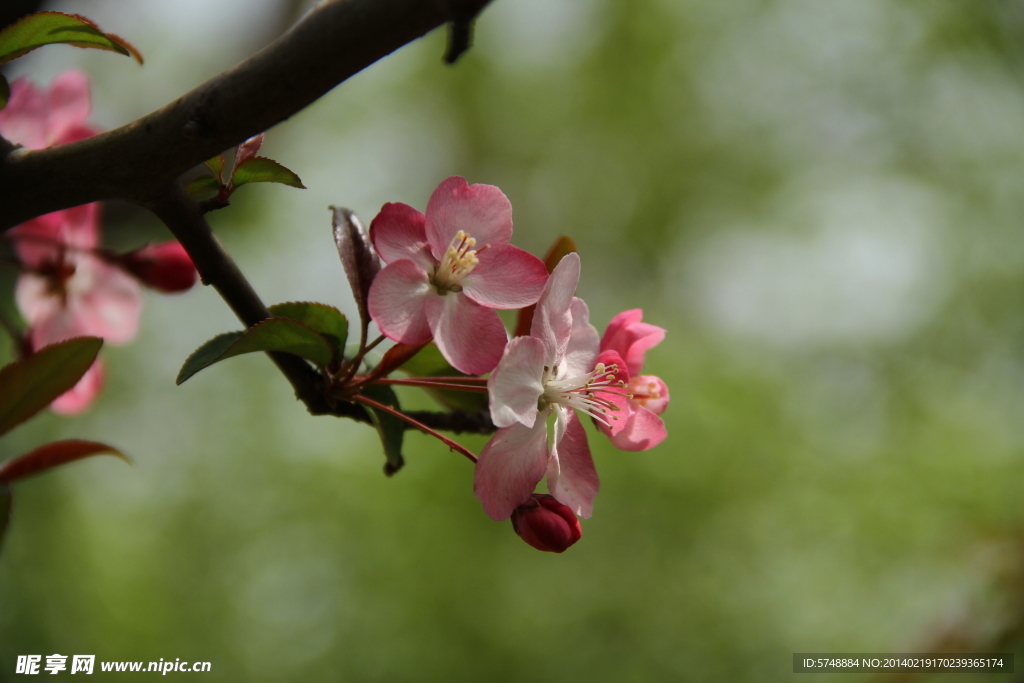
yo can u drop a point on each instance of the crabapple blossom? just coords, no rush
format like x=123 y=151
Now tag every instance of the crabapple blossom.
x=550 y=372
x=447 y=270
x=166 y=267
x=624 y=344
x=546 y=524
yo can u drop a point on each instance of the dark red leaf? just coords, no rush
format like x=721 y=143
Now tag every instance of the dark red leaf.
x=52 y=455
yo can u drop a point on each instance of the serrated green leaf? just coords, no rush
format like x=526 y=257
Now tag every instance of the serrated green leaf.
x=264 y=170
x=48 y=28
x=5 y=511
x=29 y=385
x=273 y=334
x=51 y=455
x=390 y=429
x=216 y=164
x=206 y=355
x=327 y=320
x=5 y=91
x=430 y=363
x=203 y=185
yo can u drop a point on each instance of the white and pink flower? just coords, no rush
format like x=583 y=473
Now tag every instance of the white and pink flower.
x=36 y=118
x=447 y=270
x=625 y=344
x=549 y=373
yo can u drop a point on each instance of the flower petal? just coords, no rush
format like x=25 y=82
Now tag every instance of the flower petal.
x=398 y=302
x=481 y=211
x=23 y=120
x=581 y=351
x=649 y=392
x=106 y=301
x=631 y=338
x=510 y=466
x=69 y=105
x=643 y=430
x=515 y=385
x=469 y=336
x=506 y=277
x=623 y=407
x=572 y=479
x=552 y=320
x=399 y=232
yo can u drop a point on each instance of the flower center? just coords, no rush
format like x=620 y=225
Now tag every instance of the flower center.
x=458 y=261
x=588 y=393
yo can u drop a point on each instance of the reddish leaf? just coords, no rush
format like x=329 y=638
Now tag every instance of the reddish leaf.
x=248 y=149
x=47 y=28
x=29 y=385
x=52 y=455
x=562 y=246
x=358 y=257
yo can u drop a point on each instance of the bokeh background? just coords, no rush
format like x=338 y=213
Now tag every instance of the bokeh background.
x=820 y=201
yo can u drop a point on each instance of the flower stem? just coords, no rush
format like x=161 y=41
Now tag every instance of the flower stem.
x=419 y=425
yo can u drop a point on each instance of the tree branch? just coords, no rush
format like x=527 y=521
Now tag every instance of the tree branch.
x=138 y=161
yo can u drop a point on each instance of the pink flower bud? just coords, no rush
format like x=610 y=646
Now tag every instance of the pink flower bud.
x=546 y=524
x=165 y=267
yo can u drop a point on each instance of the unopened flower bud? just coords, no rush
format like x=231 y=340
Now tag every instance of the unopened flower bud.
x=546 y=524
x=165 y=267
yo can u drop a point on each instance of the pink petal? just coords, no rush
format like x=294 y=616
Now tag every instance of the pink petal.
x=581 y=351
x=510 y=466
x=515 y=385
x=572 y=479
x=80 y=396
x=631 y=338
x=69 y=105
x=481 y=211
x=649 y=392
x=643 y=430
x=399 y=232
x=39 y=304
x=23 y=120
x=107 y=302
x=469 y=336
x=552 y=320
x=506 y=277
x=398 y=300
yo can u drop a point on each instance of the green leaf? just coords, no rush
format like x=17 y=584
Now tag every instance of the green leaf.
x=216 y=164
x=52 y=455
x=327 y=320
x=430 y=363
x=47 y=28
x=264 y=170
x=273 y=334
x=390 y=429
x=206 y=355
x=29 y=385
x=203 y=185
x=5 y=91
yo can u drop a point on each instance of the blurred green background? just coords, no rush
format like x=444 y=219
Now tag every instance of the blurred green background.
x=820 y=201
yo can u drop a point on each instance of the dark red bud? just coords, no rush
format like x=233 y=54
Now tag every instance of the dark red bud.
x=165 y=267
x=546 y=524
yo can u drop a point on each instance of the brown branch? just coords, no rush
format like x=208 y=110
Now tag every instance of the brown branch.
x=138 y=161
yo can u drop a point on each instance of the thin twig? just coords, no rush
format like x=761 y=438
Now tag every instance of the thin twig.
x=418 y=425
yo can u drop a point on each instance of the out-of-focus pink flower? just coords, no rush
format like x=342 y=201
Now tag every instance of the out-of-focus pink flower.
x=81 y=396
x=165 y=267
x=550 y=372
x=625 y=344
x=546 y=524
x=37 y=118
x=439 y=283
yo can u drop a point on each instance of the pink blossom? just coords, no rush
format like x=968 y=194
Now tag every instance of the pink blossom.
x=438 y=283
x=550 y=372
x=624 y=344
x=36 y=118
x=166 y=267
x=546 y=524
